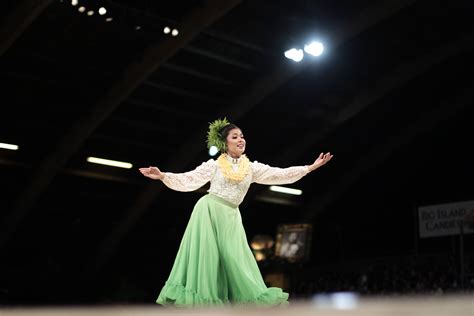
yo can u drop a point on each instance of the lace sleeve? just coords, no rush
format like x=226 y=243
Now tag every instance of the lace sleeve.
x=191 y=180
x=264 y=174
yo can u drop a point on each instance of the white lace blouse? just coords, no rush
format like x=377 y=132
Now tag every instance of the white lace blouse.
x=231 y=191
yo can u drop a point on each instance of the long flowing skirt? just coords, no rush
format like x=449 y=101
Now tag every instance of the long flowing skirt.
x=214 y=264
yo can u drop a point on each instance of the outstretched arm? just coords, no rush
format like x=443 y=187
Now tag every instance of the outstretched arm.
x=264 y=174
x=320 y=161
x=184 y=182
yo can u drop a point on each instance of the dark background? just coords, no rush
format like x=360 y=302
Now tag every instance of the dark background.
x=391 y=98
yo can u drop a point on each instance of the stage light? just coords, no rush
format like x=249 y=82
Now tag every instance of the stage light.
x=74 y=2
x=90 y=13
x=285 y=190
x=213 y=151
x=138 y=28
x=337 y=301
x=174 y=32
x=166 y=30
x=294 y=54
x=9 y=146
x=109 y=19
x=82 y=9
x=261 y=242
x=108 y=162
x=259 y=256
x=314 y=48
x=102 y=11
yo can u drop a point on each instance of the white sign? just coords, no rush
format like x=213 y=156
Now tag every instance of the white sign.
x=445 y=219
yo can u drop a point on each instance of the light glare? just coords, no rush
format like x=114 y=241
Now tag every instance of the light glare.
x=74 y=2
x=81 y=9
x=213 y=151
x=107 y=162
x=285 y=190
x=8 y=146
x=338 y=301
x=174 y=32
x=109 y=19
x=166 y=30
x=102 y=11
x=314 y=48
x=294 y=54
x=90 y=13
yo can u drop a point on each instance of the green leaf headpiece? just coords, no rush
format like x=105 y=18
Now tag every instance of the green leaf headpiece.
x=214 y=134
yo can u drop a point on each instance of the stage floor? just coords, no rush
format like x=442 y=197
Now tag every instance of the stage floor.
x=322 y=305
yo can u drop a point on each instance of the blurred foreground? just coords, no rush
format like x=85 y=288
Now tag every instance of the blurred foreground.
x=335 y=304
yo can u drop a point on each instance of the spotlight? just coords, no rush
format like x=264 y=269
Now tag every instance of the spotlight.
x=259 y=256
x=8 y=146
x=314 y=48
x=74 y=2
x=108 y=162
x=82 y=9
x=174 y=32
x=166 y=30
x=285 y=190
x=102 y=11
x=90 y=13
x=109 y=19
x=294 y=54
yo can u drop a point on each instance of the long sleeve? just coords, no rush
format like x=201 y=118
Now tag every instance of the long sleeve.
x=264 y=174
x=191 y=180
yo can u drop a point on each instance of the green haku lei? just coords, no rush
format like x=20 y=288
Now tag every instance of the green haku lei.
x=214 y=136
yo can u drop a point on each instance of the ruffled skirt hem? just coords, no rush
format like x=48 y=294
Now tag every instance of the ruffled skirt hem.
x=177 y=295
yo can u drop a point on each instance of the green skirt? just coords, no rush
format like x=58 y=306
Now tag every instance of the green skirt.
x=214 y=264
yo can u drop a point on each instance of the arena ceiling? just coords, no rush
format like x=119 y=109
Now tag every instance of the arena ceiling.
x=391 y=97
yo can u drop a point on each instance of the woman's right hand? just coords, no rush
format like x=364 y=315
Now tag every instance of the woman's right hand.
x=153 y=173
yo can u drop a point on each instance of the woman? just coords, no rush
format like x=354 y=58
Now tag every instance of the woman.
x=214 y=264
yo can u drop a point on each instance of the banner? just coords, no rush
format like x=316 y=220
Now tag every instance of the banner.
x=445 y=219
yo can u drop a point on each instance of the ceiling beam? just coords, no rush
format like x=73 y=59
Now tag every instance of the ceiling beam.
x=137 y=72
x=379 y=154
x=260 y=89
x=198 y=74
x=183 y=92
x=132 y=143
x=18 y=21
x=209 y=32
x=236 y=41
x=376 y=91
x=77 y=172
x=171 y=109
x=219 y=57
x=141 y=124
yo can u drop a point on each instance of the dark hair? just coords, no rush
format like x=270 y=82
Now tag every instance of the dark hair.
x=226 y=129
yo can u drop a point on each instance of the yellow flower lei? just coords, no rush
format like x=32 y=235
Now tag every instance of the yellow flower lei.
x=226 y=168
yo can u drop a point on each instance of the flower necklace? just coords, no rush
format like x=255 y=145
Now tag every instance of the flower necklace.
x=226 y=168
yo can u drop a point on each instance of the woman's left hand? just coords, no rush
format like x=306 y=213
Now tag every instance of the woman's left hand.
x=321 y=160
